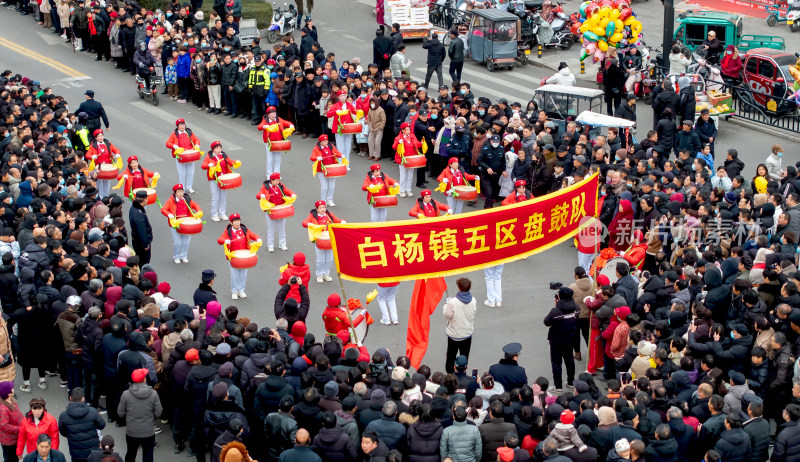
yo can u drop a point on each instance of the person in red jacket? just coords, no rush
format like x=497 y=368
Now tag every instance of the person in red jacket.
x=454 y=175
x=273 y=127
x=298 y=268
x=135 y=176
x=410 y=146
x=427 y=207
x=101 y=151
x=519 y=195
x=36 y=422
x=321 y=216
x=237 y=237
x=327 y=154
x=588 y=242
x=180 y=205
x=274 y=191
x=183 y=138
x=219 y=197
x=335 y=317
x=342 y=113
x=731 y=63
x=636 y=253
x=383 y=182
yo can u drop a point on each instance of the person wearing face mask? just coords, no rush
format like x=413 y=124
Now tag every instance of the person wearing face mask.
x=184 y=69
x=774 y=163
x=258 y=82
x=342 y=113
x=275 y=129
x=376 y=119
x=241 y=93
x=144 y=61
x=491 y=161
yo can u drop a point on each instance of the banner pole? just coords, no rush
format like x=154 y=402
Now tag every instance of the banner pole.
x=347 y=309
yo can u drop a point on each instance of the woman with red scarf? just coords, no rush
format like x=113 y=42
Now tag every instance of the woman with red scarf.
x=342 y=113
x=135 y=176
x=731 y=63
x=377 y=178
x=621 y=228
x=101 y=152
x=180 y=205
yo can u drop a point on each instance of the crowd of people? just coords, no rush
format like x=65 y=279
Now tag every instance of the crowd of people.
x=692 y=326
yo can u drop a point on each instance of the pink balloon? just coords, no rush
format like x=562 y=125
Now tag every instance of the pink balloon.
x=591 y=48
x=598 y=55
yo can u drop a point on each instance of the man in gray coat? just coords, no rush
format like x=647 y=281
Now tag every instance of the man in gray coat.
x=456 y=53
x=461 y=441
x=140 y=407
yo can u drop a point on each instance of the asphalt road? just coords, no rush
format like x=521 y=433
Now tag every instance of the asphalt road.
x=346 y=28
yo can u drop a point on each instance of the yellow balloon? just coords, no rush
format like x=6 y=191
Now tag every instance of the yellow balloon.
x=602 y=45
x=629 y=21
x=616 y=37
x=605 y=11
x=584 y=27
x=636 y=28
x=618 y=25
x=593 y=21
x=604 y=22
x=614 y=14
x=599 y=31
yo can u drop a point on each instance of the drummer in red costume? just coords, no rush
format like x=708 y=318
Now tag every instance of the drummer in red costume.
x=102 y=152
x=411 y=146
x=183 y=138
x=427 y=207
x=135 y=176
x=321 y=216
x=383 y=182
x=335 y=317
x=519 y=194
x=454 y=175
x=237 y=237
x=180 y=205
x=273 y=127
x=274 y=191
x=327 y=154
x=219 y=197
x=342 y=113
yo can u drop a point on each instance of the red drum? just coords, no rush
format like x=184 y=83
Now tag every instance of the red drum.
x=243 y=259
x=229 y=181
x=189 y=225
x=417 y=161
x=107 y=172
x=466 y=193
x=324 y=241
x=277 y=146
x=334 y=170
x=190 y=155
x=281 y=211
x=350 y=129
x=381 y=202
x=151 y=194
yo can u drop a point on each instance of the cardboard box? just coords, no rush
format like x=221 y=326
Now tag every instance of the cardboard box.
x=720 y=98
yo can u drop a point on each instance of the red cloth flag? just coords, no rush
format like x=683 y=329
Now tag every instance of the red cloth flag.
x=426 y=296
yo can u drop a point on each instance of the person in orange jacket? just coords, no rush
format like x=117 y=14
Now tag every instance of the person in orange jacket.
x=297 y=267
x=135 y=176
x=180 y=205
x=519 y=194
x=636 y=253
x=335 y=318
x=269 y=122
x=411 y=146
x=219 y=197
x=348 y=111
x=454 y=175
x=427 y=207
x=102 y=152
x=376 y=177
x=183 y=138
x=327 y=154
x=274 y=191
x=321 y=216
x=237 y=237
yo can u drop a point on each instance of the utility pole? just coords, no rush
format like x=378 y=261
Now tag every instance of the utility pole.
x=669 y=30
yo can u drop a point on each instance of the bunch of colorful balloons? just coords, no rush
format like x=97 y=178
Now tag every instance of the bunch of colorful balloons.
x=605 y=24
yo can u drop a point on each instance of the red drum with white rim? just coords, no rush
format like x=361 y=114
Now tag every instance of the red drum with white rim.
x=466 y=193
x=350 y=129
x=190 y=155
x=229 y=181
x=151 y=195
x=334 y=170
x=189 y=225
x=417 y=161
x=323 y=242
x=107 y=172
x=381 y=202
x=277 y=146
x=281 y=211
x=243 y=259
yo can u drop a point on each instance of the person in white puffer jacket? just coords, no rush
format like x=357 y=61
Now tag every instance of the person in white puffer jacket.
x=563 y=77
x=460 y=314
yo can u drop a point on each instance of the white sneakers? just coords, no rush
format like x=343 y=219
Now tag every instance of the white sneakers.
x=327 y=278
x=242 y=295
x=488 y=303
x=190 y=191
x=331 y=204
x=234 y=296
x=283 y=247
x=402 y=194
x=270 y=249
x=214 y=218
x=319 y=279
x=184 y=260
x=177 y=261
x=223 y=217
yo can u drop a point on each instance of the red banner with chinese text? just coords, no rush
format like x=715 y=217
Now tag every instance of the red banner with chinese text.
x=413 y=249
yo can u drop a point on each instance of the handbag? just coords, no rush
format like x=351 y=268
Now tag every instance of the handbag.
x=7 y=360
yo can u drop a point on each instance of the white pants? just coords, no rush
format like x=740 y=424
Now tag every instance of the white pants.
x=324 y=262
x=103 y=188
x=455 y=205
x=378 y=215
x=273 y=162
x=180 y=246
x=271 y=225
x=386 y=302
x=185 y=174
x=343 y=144
x=406 y=176
x=238 y=280
x=632 y=78
x=214 y=98
x=326 y=187
x=219 y=197
x=493 y=276
x=585 y=260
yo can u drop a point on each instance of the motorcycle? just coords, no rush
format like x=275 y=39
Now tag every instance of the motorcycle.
x=559 y=32
x=152 y=92
x=284 y=22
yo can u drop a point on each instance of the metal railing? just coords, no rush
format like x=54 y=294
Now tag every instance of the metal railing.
x=778 y=113
x=445 y=17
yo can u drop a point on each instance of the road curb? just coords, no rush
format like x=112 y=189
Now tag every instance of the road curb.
x=765 y=129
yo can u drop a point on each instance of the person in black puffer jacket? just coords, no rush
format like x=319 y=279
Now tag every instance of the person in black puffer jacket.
x=423 y=437
x=563 y=323
x=221 y=410
x=79 y=424
x=270 y=392
x=332 y=444
x=733 y=444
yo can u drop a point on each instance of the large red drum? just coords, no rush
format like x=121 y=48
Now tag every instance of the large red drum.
x=189 y=225
x=229 y=181
x=277 y=146
x=382 y=202
x=151 y=195
x=334 y=170
x=350 y=129
x=190 y=155
x=466 y=193
x=243 y=259
x=417 y=161
x=281 y=211
x=107 y=172
x=323 y=242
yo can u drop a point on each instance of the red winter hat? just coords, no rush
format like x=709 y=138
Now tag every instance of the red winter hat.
x=164 y=288
x=453 y=160
x=374 y=167
x=132 y=158
x=235 y=216
x=318 y=203
x=113 y=15
x=97 y=132
x=214 y=144
x=602 y=280
x=520 y=183
x=425 y=192
x=192 y=355
x=179 y=121
x=299 y=259
x=344 y=336
x=323 y=137
x=177 y=187
x=334 y=300
x=567 y=417
x=275 y=176
x=139 y=375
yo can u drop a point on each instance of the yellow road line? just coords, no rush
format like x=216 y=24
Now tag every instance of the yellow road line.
x=41 y=58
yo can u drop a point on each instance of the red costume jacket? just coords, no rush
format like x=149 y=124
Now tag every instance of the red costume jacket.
x=240 y=239
x=185 y=140
x=434 y=209
x=384 y=182
x=276 y=135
